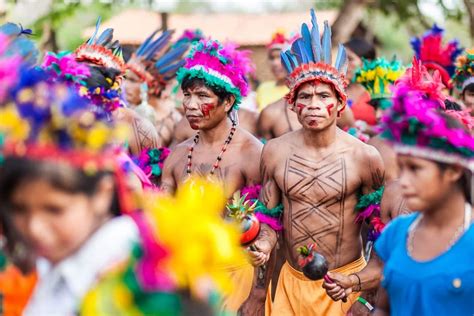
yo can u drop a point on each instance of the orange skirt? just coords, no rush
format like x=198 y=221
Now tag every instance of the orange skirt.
x=297 y=295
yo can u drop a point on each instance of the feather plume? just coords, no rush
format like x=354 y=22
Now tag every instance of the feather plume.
x=145 y=43
x=285 y=62
x=306 y=35
x=172 y=55
x=327 y=44
x=316 y=42
x=97 y=25
x=105 y=38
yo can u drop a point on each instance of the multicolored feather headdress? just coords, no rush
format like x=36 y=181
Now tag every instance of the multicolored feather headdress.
x=310 y=59
x=185 y=243
x=20 y=44
x=214 y=63
x=46 y=120
x=101 y=50
x=279 y=41
x=189 y=36
x=430 y=50
x=417 y=123
x=9 y=67
x=377 y=76
x=155 y=63
x=464 y=73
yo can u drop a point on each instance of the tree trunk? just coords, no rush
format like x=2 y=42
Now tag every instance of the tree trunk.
x=350 y=15
x=470 y=12
x=48 y=40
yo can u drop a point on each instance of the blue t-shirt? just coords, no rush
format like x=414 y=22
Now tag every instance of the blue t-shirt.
x=441 y=286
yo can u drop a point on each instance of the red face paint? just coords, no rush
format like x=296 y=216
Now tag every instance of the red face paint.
x=300 y=107
x=312 y=122
x=329 y=108
x=206 y=108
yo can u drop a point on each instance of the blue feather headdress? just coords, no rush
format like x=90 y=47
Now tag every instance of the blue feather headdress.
x=101 y=50
x=155 y=62
x=19 y=43
x=310 y=59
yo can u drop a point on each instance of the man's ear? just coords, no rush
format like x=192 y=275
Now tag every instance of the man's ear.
x=229 y=102
x=341 y=106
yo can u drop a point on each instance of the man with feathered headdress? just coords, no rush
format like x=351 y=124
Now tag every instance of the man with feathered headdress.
x=319 y=181
x=213 y=83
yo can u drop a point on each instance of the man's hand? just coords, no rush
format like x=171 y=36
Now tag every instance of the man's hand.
x=341 y=286
x=261 y=249
x=258 y=258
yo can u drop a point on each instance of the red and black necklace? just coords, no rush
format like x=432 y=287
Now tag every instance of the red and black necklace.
x=219 y=157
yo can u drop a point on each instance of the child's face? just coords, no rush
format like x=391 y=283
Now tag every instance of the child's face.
x=423 y=183
x=56 y=223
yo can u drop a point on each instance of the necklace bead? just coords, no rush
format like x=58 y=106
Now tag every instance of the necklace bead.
x=219 y=157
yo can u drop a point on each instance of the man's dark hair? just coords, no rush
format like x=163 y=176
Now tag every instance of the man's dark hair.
x=361 y=48
x=193 y=82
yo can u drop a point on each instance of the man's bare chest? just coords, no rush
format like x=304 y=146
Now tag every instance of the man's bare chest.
x=316 y=181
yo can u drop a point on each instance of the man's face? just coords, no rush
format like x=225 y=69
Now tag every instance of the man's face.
x=131 y=86
x=275 y=62
x=468 y=100
x=316 y=105
x=202 y=107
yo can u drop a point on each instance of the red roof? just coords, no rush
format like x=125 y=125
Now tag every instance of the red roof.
x=132 y=26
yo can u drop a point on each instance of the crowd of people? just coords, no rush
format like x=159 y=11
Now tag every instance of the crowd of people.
x=174 y=183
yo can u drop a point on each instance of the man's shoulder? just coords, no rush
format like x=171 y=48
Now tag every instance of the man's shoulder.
x=281 y=144
x=359 y=148
x=249 y=142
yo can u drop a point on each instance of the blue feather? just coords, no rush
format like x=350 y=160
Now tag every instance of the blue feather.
x=151 y=50
x=285 y=62
x=304 y=55
x=105 y=37
x=293 y=59
x=97 y=25
x=316 y=37
x=341 y=59
x=295 y=49
x=327 y=43
x=26 y=31
x=172 y=67
x=145 y=43
x=171 y=55
x=305 y=33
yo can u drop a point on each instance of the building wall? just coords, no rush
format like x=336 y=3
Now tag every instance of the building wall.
x=259 y=57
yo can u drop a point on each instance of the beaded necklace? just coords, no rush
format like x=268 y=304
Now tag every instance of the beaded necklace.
x=219 y=157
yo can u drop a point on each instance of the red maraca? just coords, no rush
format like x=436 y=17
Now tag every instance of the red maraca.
x=314 y=264
x=242 y=211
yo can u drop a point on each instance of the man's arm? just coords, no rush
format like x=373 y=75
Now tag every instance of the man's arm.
x=168 y=182
x=270 y=197
x=368 y=279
